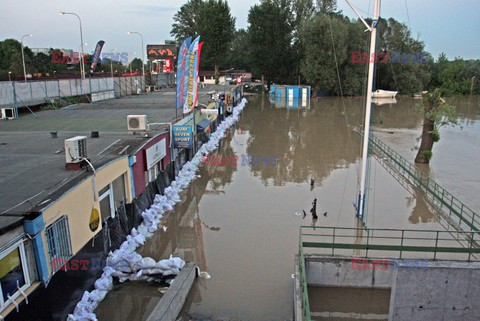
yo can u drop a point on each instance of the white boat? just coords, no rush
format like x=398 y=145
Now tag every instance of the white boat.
x=379 y=93
x=384 y=101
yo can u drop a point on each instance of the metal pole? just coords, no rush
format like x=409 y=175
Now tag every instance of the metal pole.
x=366 y=131
x=82 y=66
x=23 y=58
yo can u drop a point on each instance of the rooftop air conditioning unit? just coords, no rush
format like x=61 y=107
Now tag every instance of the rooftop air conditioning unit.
x=75 y=149
x=137 y=122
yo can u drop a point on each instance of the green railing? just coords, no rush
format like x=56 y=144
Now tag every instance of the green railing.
x=304 y=285
x=391 y=243
x=468 y=220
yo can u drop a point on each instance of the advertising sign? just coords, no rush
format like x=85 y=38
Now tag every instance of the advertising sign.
x=182 y=136
x=155 y=153
x=182 y=72
x=161 y=51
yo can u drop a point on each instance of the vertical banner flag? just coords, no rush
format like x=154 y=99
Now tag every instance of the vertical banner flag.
x=192 y=76
x=182 y=72
x=96 y=55
x=197 y=69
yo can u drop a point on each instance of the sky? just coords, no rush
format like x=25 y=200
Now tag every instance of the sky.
x=446 y=26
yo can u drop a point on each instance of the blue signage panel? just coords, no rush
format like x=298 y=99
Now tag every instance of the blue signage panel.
x=182 y=136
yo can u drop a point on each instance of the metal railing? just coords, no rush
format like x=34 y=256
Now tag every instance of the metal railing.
x=15 y=94
x=392 y=243
x=468 y=220
x=303 y=284
x=383 y=243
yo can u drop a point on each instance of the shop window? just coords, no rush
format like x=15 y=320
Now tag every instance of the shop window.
x=13 y=274
x=59 y=243
x=153 y=172
x=112 y=197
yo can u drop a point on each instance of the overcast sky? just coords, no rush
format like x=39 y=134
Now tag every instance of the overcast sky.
x=444 y=25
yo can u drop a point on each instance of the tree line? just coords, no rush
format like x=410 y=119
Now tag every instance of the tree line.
x=291 y=41
x=53 y=63
x=288 y=41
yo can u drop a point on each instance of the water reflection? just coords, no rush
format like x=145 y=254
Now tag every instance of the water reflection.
x=308 y=143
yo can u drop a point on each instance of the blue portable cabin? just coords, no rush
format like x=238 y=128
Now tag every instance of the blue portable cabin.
x=293 y=92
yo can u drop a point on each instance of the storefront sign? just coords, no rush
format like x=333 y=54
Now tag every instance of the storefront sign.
x=209 y=111
x=155 y=153
x=182 y=136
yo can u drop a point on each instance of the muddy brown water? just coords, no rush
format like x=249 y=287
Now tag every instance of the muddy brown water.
x=240 y=224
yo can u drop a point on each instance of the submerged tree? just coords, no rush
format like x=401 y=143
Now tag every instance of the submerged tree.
x=436 y=113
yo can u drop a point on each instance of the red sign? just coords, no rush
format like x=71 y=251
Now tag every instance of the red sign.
x=168 y=65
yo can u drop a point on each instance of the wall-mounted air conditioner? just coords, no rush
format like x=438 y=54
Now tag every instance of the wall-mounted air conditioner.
x=75 y=149
x=9 y=113
x=137 y=122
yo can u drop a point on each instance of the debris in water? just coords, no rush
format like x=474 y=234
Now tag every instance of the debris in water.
x=163 y=290
x=204 y=275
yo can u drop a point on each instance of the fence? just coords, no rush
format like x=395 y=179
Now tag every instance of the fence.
x=15 y=94
x=468 y=220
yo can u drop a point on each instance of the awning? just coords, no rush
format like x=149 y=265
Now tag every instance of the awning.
x=203 y=125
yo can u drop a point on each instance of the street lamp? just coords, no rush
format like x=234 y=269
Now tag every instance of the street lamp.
x=143 y=53
x=54 y=74
x=111 y=61
x=82 y=66
x=23 y=57
x=9 y=78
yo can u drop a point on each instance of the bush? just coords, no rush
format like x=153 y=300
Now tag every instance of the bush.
x=427 y=154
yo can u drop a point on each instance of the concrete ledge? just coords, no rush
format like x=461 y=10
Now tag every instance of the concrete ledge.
x=337 y=272
x=170 y=305
x=297 y=292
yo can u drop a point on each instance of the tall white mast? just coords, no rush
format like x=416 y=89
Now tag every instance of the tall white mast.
x=366 y=130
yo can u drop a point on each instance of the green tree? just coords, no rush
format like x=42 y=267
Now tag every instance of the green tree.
x=436 y=113
x=212 y=21
x=216 y=27
x=270 y=34
x=186 y=21
x=236 y=57
x=136 y=64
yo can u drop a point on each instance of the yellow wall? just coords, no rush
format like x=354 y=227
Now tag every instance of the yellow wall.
x=77 y=203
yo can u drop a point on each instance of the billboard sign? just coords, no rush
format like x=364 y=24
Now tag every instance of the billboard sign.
x=155 y=52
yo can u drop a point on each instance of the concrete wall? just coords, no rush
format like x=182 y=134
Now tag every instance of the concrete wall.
x=445 y=291
x=329 y=271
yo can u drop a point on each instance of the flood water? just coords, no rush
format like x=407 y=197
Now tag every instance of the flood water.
x=240 y=224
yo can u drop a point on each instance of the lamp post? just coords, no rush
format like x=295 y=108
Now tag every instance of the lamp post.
x=143 y=53
x=9 y=78
x=54 y=74
x=111 y=61
x=23 y=58
x=82 y=66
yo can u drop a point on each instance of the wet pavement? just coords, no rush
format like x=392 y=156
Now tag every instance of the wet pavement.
x=241 y=223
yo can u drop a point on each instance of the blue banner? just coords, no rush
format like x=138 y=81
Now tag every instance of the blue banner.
x=192 y=77
x=182 y=72
x=96 y=55
x=182 y=136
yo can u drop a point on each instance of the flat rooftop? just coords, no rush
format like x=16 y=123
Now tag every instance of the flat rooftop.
x=32 y=162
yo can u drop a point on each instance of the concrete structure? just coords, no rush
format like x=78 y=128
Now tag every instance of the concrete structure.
x=173 y=300
x=443 y=290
